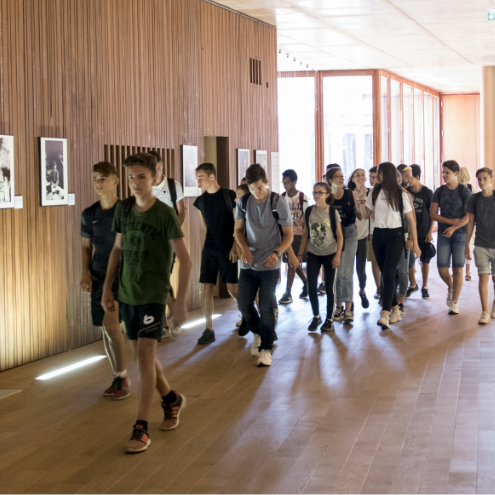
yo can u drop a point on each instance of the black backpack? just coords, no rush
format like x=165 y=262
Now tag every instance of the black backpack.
x=333 y=222
x=274 y=198
x=173 y=193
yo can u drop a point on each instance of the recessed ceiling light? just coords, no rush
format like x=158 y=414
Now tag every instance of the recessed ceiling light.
x=74 y=366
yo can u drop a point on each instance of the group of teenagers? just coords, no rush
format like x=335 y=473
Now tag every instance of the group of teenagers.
x=129 y=249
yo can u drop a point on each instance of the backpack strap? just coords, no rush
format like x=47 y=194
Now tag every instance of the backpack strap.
x=127 y=205
x=243 y=201
x=228 y=200
x=301 y=200
x=307 y=214
x=274 y=197
x=173 y=193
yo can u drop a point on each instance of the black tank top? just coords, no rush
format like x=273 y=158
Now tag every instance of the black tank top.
x=345 y=207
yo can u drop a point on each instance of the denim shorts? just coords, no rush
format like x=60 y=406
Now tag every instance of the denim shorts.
x=451 y=248
x=484 y=257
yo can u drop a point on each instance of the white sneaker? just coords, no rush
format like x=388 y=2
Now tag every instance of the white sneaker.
x=485 y=318
x=254 y=346
x=166 y=333
x=175 y=330
x=449 y=297
x=265 y=358
x=383 y=321
x=493 y=311
x=395 y=317
x=454 y=309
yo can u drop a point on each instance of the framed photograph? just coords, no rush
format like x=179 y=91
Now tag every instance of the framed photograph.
x=261 y=157
x=275 y=179
x=189 y=155
x=243 y=162
x=54 y=183
x=7 y=191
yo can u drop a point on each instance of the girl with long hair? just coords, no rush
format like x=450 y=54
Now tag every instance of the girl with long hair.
x=391 y=205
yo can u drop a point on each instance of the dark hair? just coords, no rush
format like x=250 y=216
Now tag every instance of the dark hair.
x=144 y=159
x=351 y=184
x=291 y=174
x=487 y=170
x=243 y=180
x=104 y=168
x=244 y=188
x=333 y=165
x=209 y=168
x=156 y=155
x=389 y=184
x=451 y=165
x=416 y=170
x=401 y=167
x=327 y=189
x=254 y=173
x=373 y=170
x=331 y=172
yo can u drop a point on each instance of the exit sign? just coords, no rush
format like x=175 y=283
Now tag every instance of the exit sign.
x=491 y=16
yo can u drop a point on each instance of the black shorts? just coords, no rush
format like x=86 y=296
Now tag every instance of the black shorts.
x=296 y=244
x=215 y=261
x=97 y=311
x=144 y=321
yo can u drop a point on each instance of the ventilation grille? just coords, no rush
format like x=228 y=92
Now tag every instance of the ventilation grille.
x=255 y=71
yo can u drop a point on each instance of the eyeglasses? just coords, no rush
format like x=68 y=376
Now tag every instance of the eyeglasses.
x=319 y=193
x=338 y=177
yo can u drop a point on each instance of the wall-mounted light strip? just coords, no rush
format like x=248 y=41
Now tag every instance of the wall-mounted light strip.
x=197 y=322
x=61 y=371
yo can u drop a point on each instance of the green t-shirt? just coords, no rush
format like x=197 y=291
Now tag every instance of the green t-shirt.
x=146 y=253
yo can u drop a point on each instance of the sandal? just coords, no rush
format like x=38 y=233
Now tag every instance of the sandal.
x=468 y=278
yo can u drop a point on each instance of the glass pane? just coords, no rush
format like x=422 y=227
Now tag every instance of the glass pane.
x=348 y=122
x=428 y=140
x=408 y=124
x=418 y=130
x=396 y=122
x=296 y=129
x=385 y=127
x=436 y=141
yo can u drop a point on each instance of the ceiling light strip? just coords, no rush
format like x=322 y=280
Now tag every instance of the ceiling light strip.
x=239 y=13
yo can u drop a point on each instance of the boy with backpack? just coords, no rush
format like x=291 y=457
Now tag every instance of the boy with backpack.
x=481 y=210
x=219 y=255
x=146 y=233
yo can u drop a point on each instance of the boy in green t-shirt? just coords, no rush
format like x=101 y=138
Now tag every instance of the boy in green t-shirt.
x=147 y=231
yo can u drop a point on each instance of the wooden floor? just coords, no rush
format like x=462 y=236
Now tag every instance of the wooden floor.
x=411 y=410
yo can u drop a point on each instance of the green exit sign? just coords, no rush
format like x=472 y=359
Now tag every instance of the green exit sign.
x=491 y=16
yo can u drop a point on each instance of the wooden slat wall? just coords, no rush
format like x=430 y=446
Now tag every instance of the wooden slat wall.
x=111 y=76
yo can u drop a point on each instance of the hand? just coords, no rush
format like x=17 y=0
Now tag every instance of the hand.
x=86 y=284
x=107 y=301
x=233 y=255
x=336 y=261
x=429 y=237
x=247 y=257
x=467 y=253
x=457 y=222
x=448 y=232
x=180 y=312
x=272 y=260
x=417 y=252
x=294 y=260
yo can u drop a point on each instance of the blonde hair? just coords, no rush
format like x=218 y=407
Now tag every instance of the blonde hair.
x=464 y=176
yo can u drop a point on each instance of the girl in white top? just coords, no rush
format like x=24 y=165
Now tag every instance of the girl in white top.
x=387 y=201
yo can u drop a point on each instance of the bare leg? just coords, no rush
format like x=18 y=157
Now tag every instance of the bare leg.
x=162 y=384
x=412 y=277
x=376 y=275
x=145 y=351
x=458 y=281
x=301 y=274
x=425 y=270
x=114 y=340
x=208 y=304
x=109 y=350
x=445 y=276
x=232 y=288
x=483 y=288
x=290 y=278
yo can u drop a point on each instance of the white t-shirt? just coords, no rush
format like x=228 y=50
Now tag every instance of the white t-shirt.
x=162 y=193
x=296 y=211
x=363 y=226
x=385 y=216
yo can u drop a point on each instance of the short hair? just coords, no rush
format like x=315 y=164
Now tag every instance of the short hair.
x=291 y=174
x=145 y=160
x=464 y=176
x=416 y=171
x=451 y=165
x=374 y=170
x=254 y=173
x=487 y=170
x=104 y=168
x=207 y=167
x=401 y=167
x=244 y=188
x=156 y=155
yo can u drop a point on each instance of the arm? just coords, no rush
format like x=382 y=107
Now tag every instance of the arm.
x=288 y=231
x=86 y=282
x=412 y=223
x=180 y=310
x=366 y=212
x=340 y=244
x=234 y=254
x=240 y=237
x=357 y=206
x=429 y=235
x=470 y=230
x=438 y=218
x=181 y=211
x=460 y=222
x=107 y=300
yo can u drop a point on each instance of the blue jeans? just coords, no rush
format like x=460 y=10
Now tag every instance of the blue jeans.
x=345 y=272
x=404 y=272
x=451 y=247
x=264 y=322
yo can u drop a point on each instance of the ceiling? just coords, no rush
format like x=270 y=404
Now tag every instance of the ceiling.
x=439 y=43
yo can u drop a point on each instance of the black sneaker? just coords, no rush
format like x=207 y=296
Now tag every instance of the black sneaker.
x=286 y=298
x=321 y=288
x=327 y=326
x=401 y=309
x=364 y=301
x=207 y=338
x=315 y=323
x=411 y=290
x=304 y=293
x=425 y=293
x=339 y=313
x=243 y=328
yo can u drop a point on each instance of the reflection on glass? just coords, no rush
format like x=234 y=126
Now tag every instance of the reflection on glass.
x=396 y=122
x=385 y=127
x=296 y=128
x=436 y=142
x=419 y=157
x=408 y=124
x=348 y=122
x=428 y=108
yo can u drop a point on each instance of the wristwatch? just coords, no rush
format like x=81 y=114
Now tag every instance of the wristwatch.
x=279 y=256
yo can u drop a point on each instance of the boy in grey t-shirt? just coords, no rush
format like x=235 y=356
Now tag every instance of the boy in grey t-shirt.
x=257 y=232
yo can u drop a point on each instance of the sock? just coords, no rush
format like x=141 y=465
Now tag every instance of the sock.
x=121 y=374
x=142 y=423
x=170 y=397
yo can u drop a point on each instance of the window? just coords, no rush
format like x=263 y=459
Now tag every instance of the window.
x=428 y=120
x=436 y=142
x=385 y=127
x=396 y=122
x=408 y=109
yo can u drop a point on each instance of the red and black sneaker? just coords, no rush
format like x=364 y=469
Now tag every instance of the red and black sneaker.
x=139 y=441
x=110 y=391
x=122 y=387
x=172 y=412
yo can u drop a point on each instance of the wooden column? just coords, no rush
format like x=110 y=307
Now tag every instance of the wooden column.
x=488 y=117
x=377 y=117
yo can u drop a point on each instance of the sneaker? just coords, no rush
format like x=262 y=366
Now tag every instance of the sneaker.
x=265 y=359
x=377 y=295
x=339 y=313
x=175 y=330
x=110 y=391
x=304 y=293
x=348 y=316
x=315 y=323
x=321 y=288
x=327 y=326
x=401 y=308
x=286 y=298
x=243 y=328
x=166 y=333
x=424 y=293
x=122 y=386
x=207 y=338
x=493 y=311
x=255 y=345
x=364 y=301
x=394 y=317
x=411 y=290
x=384 y=321
x=485 y=318
x=172 y=412
x=139 y=441
x=454 y=309
x=450 y=294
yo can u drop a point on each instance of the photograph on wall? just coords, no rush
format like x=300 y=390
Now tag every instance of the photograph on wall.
x=7 y=171
x=261 y=157
x=189 y=164
x=276 y=177
x=243 y=157
x=54 y=183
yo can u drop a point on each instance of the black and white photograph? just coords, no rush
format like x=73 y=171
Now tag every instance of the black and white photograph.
x=261 y=157
x=189 y=165
x=242 y=163
x=7 y=171
x=53 y=172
